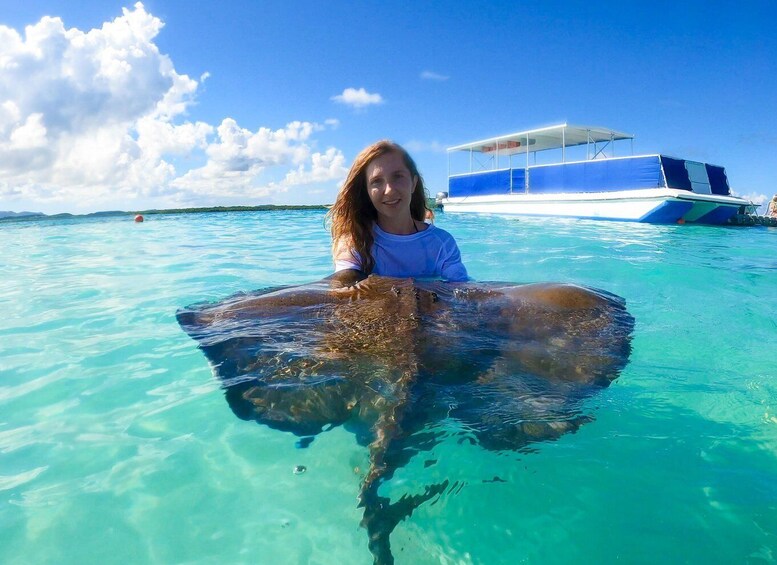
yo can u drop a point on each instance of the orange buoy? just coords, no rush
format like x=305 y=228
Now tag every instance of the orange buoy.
x=681 y=221
x=138 y=218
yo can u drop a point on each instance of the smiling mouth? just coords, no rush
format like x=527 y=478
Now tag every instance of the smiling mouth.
x=391 y=202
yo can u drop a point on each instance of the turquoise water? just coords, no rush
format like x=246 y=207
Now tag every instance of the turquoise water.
x=116 y=444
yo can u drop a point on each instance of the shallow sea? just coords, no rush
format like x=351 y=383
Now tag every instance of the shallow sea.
x=117 y=446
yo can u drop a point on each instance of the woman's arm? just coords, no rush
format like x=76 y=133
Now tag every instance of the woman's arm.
x=452 y=269
x=344 y=257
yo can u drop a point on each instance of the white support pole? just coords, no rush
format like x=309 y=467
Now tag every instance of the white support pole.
x=563 y=144
x=527 y=152
x=588 y=145
x=510 y=168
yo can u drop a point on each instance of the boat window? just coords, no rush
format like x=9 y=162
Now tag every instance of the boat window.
x=675 y=173
x=718 y=180
x=697 y=174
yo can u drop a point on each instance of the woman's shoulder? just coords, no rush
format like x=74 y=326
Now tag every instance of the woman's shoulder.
x=438 y=232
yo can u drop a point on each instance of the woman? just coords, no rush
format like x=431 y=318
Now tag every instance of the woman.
x=771 y=210
x=378 y=220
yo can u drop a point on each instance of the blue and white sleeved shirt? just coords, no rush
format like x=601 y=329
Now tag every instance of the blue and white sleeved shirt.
x=429 y=253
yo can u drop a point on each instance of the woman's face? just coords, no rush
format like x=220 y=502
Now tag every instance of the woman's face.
x=390 y=185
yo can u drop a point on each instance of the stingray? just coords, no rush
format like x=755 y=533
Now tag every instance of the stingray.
x=389 y=358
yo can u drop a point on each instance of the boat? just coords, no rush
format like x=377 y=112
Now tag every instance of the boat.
x=578 y=171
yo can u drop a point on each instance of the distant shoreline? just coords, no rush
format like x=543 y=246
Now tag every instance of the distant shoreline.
x=262 y=208
x=32 y=216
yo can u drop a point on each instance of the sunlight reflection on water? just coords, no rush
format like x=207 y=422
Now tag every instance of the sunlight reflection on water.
x=112 y=423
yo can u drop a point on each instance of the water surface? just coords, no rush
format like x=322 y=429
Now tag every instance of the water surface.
x=116 y=444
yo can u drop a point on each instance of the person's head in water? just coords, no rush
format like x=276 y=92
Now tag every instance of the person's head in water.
x=383 y=186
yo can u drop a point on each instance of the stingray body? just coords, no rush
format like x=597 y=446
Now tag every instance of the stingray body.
x=387 y=357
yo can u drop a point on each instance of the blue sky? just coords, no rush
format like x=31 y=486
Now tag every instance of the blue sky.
x=109 y=105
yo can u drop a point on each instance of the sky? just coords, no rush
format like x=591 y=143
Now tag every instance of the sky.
x=108 y=105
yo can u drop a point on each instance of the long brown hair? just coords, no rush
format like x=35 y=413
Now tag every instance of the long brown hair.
x=353 y=215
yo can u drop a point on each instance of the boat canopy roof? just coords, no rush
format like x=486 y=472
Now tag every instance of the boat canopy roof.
x=552 y=137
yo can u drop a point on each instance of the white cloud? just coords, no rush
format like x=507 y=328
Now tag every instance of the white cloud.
x=9 y=115
x=357 y=98
x=762 y=200
x=99 y=117
x=327 y=166
x=754 y=197
x=414 y=146
x=239 y=157
x=29 y=135
x=430 y=75
x=156 y=138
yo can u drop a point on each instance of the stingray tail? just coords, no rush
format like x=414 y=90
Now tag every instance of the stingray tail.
x=377 y=518
x=381 y=517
